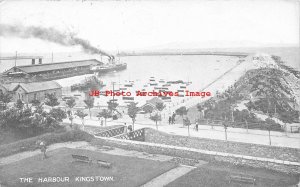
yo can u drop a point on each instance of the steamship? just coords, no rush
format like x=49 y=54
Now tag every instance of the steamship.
x=109 y=67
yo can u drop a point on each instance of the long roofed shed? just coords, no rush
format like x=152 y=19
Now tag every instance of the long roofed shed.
x=54 y=66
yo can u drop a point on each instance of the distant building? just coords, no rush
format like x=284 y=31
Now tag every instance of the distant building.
x=51 y=71
x=28 y=92
x=7 y=88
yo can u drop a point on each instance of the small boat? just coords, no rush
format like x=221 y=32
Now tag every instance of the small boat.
x=127 y=85
x=128 y=98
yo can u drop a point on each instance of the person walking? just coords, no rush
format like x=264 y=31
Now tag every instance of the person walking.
x=170 y=120
x=126 y=128
x=130 y=128
x=173 y=118
x=43 y=149
x=196 y=126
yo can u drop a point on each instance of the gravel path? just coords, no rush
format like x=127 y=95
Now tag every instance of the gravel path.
x=169 y=176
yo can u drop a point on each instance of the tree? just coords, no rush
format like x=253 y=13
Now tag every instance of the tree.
x=160 y=107
x=112 y=106
x=38 y=123
x=132 y=112
x=58 y=114
x=90 y=104
x=200 y=109
x=19 y=104
x=269 y=125
x=51 y=100
x=5 y=98
x=187 y=123
x=245 y=115
x=35 y=102
x=70 y=103
x=82 y=115
x=105 y=114
x=156 y=118
x=181 y=112
x=225 y=125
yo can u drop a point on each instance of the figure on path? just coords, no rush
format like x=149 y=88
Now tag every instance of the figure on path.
x=43 y=149
x=173 y=118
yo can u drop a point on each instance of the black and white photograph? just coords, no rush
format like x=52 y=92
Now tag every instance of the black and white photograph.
x=149 y=93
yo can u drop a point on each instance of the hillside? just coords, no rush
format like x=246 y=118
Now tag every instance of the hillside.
x=270 y=90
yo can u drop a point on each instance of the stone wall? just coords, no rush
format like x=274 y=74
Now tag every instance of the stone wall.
x=272 y=152
x=198 y=154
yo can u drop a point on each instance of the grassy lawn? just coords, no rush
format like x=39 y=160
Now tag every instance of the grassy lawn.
x=210 y=175
x=9 y=136
x=126 y=171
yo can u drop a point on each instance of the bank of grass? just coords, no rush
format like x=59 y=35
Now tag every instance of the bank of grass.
x=126 y=171
x=213 y=174
x=29 y=144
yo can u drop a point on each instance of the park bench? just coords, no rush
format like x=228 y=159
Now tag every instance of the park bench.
x=103 y=163
x=81 y=158
x=295 y=129
x=242 y=178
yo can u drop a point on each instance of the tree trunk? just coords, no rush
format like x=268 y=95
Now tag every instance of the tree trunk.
x=225 y=134
x=270 y=137
x=285 y=129
x=156 y=125
x=105 y=121
x=247 y=125
x=133 y=120
x=83 y=124
x=90 y=113
x=189 y=130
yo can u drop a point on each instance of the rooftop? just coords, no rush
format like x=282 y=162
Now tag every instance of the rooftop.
x=55 y=66
x=38 y=86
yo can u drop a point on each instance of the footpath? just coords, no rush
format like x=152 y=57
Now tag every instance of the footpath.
x=260 y=137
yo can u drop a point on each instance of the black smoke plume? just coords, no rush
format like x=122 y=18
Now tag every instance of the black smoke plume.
x=51 y=35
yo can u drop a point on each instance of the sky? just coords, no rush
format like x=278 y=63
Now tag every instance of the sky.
x=152 y=24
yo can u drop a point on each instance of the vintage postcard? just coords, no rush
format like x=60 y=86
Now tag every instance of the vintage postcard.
x=149 y=93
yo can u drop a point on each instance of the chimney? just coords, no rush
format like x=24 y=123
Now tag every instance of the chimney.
x=33 y=61
x=40 y=60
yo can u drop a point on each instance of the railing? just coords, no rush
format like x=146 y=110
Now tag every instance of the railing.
x=112 y=132
x=138 y=135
